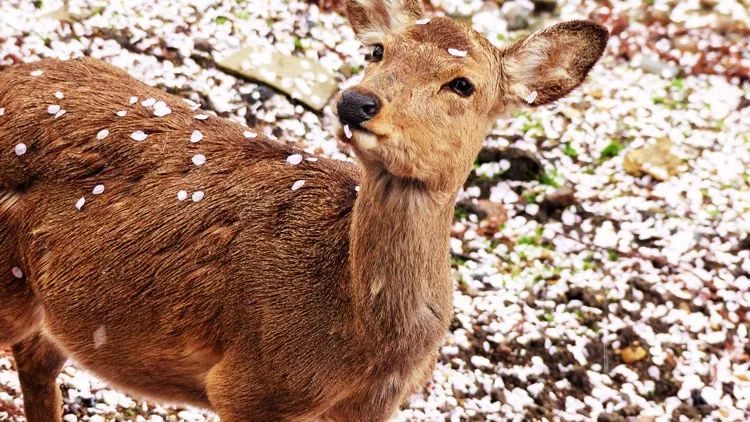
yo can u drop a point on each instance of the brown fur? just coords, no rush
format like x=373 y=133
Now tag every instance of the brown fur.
x=259 y=302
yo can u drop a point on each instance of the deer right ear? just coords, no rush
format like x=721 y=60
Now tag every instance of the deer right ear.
x=547 y=65
x=372 y=19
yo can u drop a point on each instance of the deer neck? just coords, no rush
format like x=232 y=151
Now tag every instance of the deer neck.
x=400 y=255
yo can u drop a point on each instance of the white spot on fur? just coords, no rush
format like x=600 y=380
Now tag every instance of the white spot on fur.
x=2 y=111
x=80 y=203
x=457 y=53
x=182 y=195
x=100 y=337
x=148 y=102
x=121 y=113
x=531 y=97
x=201 y=116
x=356 y=188
x=312 y=159
x=98 y=190
x=53 y=109
x=347 y=132
x=424 y=21
x=367 y=140
x=250 y=135
x=196 y=137
x=20 y=149
x=102 y=134
x=133 y=100
x=198 y=196
x=37 y=73
x=294 y=159
x=60 y=113
x=138 y=135
x=199 y=159
x=17 y=273
x=298 y=184
x=59 y=95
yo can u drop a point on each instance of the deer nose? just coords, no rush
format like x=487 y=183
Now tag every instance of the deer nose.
x=356 y=108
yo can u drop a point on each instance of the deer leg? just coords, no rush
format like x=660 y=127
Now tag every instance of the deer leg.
x=237 y=396
x=39 y=361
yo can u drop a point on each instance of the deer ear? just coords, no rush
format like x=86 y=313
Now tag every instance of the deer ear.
x=548 y=64
x=372 y=19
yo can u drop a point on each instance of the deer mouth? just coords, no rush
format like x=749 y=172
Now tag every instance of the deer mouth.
x=357 y=136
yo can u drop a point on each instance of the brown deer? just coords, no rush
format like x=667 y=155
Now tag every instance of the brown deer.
x=182 y=258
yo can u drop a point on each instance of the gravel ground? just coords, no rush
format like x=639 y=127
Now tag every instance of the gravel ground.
x=583 y=291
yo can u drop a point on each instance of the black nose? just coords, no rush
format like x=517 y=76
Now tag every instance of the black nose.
x=356 y=108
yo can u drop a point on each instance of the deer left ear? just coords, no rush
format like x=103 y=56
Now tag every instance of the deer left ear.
x=547 y=65
x=372 y=19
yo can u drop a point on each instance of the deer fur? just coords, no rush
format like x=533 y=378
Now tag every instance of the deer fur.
x=260 y=302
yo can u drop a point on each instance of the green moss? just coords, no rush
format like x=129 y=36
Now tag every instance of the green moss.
x=570 y=151
x=612 y=150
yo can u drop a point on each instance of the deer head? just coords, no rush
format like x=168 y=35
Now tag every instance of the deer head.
x=435 y=87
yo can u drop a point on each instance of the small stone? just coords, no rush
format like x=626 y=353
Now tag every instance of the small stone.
x=2 y=111
x=632 y=354
x=98 y=190
x=17 y=273
x=148 y=102
x=298 y=184
x=199 y=159
x=201 y=116
x=424 y=21
x=20 y=149
x=59 y=95
x=80 y=203
x=102 y=134
x=182 y=195
x=561 y=198
x=196 y=136
x=36 y=73
x=121 y=113
x=198 y=196
x=53 y=109
x=133 y=100
x=249 y=135
x=138 y=136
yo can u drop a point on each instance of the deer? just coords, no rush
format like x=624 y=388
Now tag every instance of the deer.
x=188 y=259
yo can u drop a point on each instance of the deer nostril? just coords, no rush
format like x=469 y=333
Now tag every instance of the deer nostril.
x=355 y=107
x=370 y=109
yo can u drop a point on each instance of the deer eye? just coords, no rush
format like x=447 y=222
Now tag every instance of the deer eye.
x=376 y=55
x=462 y=87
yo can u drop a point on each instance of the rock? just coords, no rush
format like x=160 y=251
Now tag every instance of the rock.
x=560 y=199
x=517 y=14
x=632 y=354
x=202 y=44
x=655 y=159
x=524 y=165
x=301 y=79
x=541 y=6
